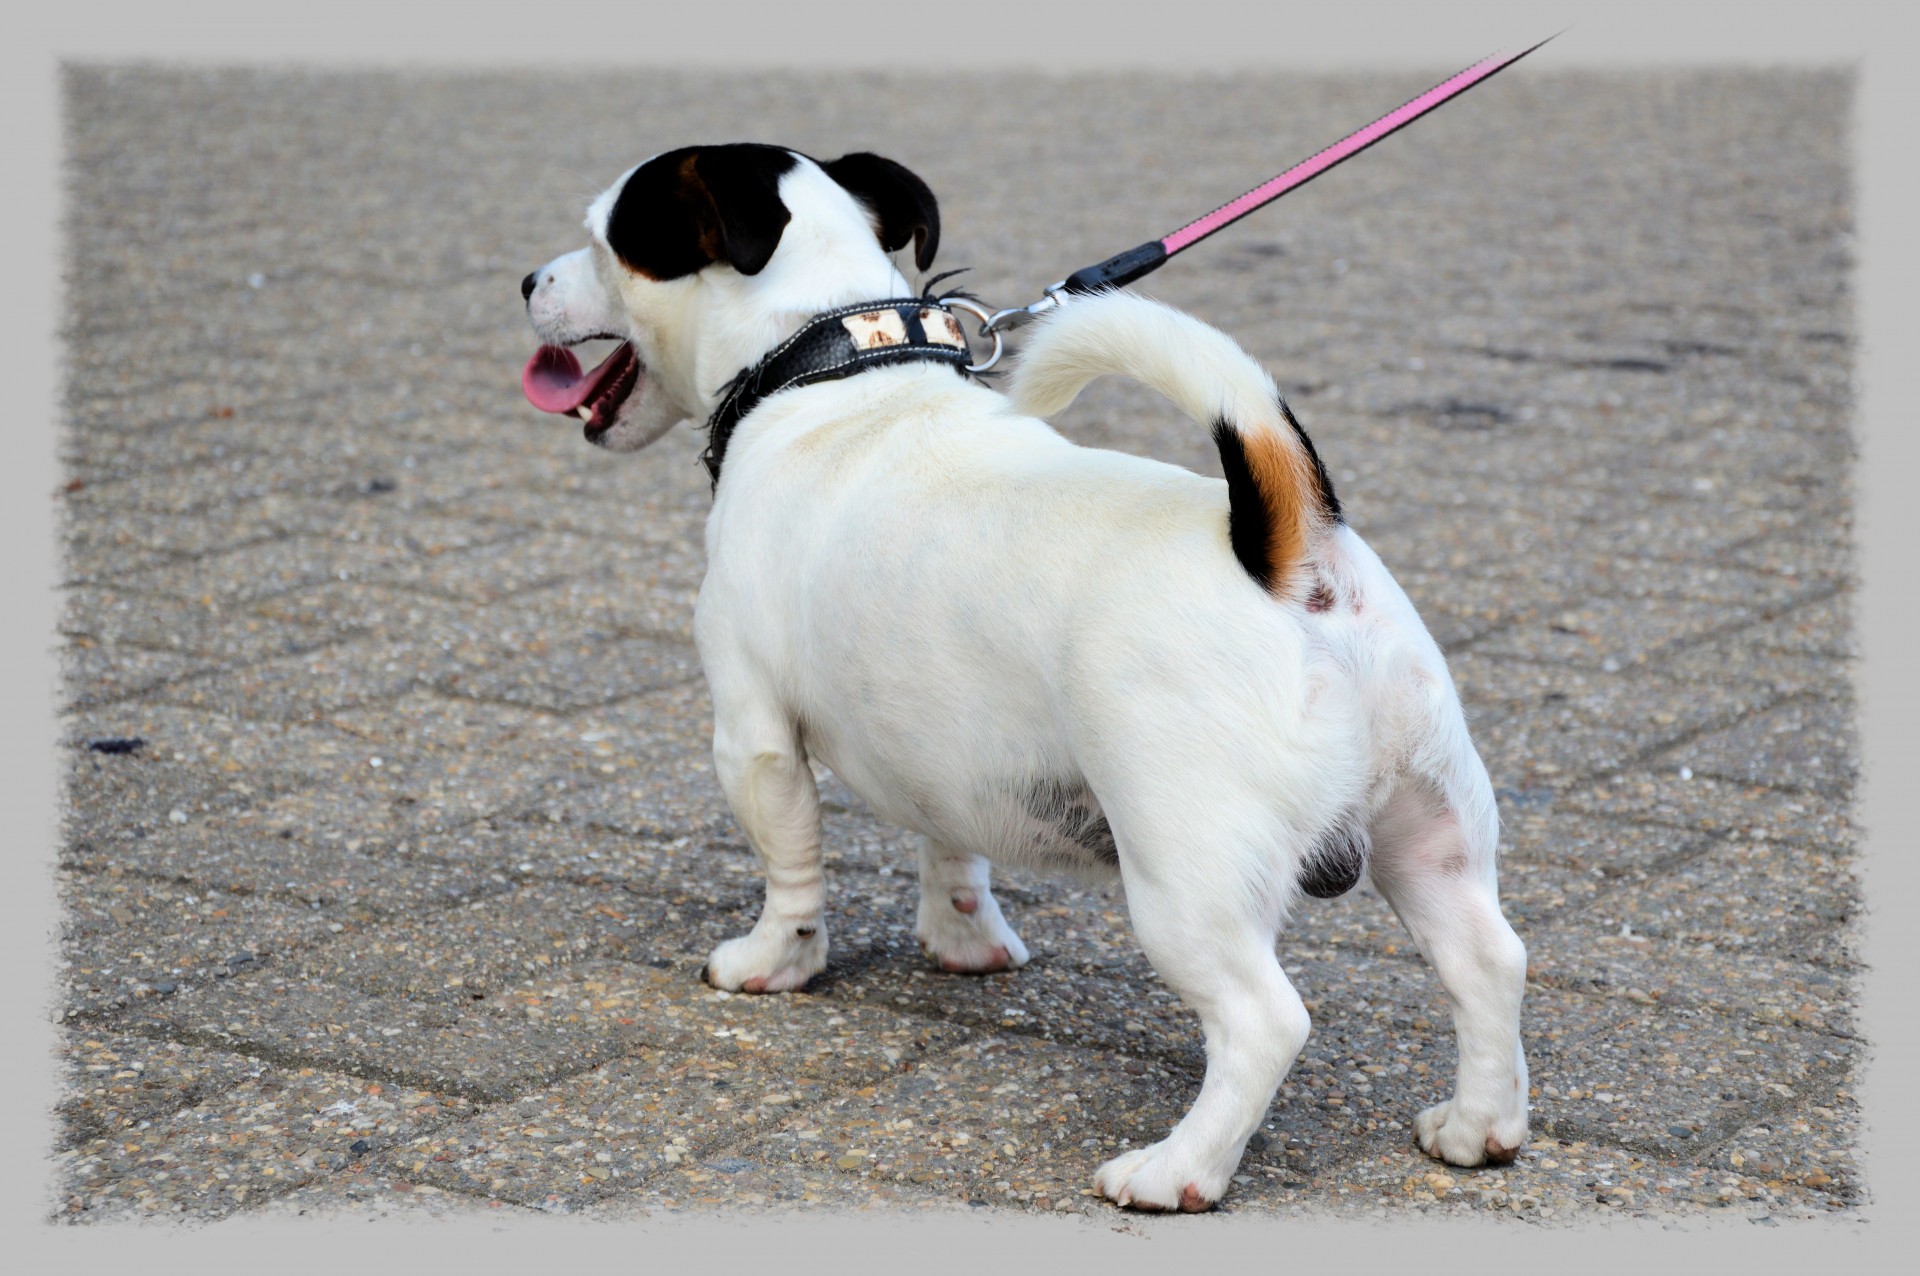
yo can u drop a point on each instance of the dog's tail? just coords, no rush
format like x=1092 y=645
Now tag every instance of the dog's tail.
x=1279 y=498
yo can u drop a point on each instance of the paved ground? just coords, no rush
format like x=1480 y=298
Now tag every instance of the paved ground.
x=399 y=906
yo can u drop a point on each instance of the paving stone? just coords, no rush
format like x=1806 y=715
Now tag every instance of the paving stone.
x=1700 y=801
x=101 y=673
x=220 y=631
x=101 y=550
x=424 y=1044
x=620 y=602
x=1807 y=548
x=703 y=1088
x=216 y=486
x=1705 y=580
x=275 y=1129
x=375 y=513
x=1557 y=1183
x=429 y=721
x=397 y=794
x=1540 y=724
x=241 y=752
x=1004 y=1119
x=264 y=568
x=581 y=675
x=359 y=1192
x=1742 y=657
x=732 y=1185
x=663 y=798
x=302 y=687
x=466 y=951
x=1822 y=627
x=1673 y=1081
x=1799 y=980
x=1789 y=1150
x=129 y=940
x=118 y=1080
x=1801 y=744
x=489 y=572
x=353 y=608
x=1741 y=895
x=250 y=853
x=1593 y=633
x=111 y=796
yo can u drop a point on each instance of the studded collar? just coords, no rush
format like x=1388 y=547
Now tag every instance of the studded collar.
x=838 y=343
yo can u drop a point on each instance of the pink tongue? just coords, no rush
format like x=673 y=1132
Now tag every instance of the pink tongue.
x=553 y=381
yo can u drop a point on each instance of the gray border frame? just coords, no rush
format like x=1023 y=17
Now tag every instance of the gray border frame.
x=990 y=33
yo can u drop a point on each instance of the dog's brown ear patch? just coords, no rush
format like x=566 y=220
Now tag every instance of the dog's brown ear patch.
x=682 y=211
x=902 y=202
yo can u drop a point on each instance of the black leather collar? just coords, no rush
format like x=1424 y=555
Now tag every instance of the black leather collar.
x=838 y=343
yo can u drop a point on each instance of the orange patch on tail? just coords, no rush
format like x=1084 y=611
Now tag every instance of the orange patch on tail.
x=1289 y=489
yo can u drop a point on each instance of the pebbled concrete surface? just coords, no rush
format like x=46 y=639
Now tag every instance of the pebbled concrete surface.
x=398 y=907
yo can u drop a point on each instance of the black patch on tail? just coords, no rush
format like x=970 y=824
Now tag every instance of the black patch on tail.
x=1334 y=865
x=1247 y=520
x=1329 y=503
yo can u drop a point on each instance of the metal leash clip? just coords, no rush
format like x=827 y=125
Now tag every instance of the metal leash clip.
x=994 y=323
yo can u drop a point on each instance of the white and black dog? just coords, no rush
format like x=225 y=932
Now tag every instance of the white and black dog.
x=1029 y=651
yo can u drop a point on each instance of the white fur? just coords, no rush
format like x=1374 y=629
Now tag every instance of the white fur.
x=968 y=617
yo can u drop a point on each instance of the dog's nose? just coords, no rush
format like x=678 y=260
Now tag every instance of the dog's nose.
x=528 y=284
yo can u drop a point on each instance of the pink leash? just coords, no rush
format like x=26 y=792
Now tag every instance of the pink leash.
x=1123 y=268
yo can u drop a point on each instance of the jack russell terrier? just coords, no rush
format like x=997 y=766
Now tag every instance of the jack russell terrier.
x=1028 y=651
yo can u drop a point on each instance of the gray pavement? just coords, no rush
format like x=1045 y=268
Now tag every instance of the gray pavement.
x=399 y=906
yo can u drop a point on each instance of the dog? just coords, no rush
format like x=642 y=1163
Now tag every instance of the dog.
x=1031 y=652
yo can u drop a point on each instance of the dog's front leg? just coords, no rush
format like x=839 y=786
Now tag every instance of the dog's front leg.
x=763 y=770
x=960 y=925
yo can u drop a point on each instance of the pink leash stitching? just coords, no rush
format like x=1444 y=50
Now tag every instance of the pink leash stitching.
x=1123 y=268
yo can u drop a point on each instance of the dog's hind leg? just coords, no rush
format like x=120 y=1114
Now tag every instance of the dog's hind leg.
x=763 y=770
x=1437 y=870
x=960 y=925
x=1212 y=942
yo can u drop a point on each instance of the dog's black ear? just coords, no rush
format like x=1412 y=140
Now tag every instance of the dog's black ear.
x=686 y=209
x=902 y=202
x=742 y=187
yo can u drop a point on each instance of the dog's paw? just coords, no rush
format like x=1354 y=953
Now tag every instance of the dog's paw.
x=964 y=933
x=769 y=959
x=1159 y=1178
x=1446 y=1132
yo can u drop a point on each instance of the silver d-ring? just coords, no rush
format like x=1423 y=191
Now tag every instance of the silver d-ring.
x=981 y=313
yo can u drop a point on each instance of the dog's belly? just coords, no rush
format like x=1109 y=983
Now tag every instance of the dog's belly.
x=1052 y=822
x=1055 y=823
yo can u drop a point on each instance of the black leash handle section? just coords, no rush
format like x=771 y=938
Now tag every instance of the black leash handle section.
x=1118 y=270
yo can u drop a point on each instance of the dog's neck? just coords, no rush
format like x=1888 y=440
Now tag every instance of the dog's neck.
x=827 y=258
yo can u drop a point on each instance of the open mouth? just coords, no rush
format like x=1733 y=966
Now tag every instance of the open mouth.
x=553 y=382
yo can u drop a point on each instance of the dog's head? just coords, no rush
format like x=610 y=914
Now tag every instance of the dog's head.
x=701 y=260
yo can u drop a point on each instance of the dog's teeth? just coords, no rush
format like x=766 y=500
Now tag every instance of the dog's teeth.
x=584 y=412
